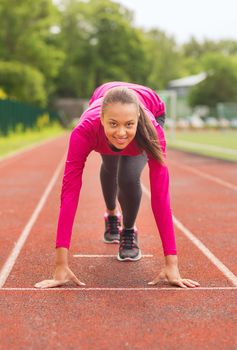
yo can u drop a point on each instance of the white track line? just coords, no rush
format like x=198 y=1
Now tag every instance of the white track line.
x=7 y=267
x=228 y=274
x=21 y=151
x=117 y=289
x=206 y=176
x=104 y=256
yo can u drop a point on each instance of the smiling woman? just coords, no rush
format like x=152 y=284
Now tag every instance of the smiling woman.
x=122 y=124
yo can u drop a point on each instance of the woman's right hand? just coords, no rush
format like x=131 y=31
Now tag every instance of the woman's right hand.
x=62 y=275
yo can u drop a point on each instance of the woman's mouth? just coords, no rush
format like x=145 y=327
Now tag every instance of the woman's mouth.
x=121 y=141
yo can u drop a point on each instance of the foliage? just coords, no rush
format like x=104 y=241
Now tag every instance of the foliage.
x=3 y=94
x=68 y=49
x=23 y=82
x=163 y=57
x=195 y=49
x=221 y=83
x=26 y=36
x=42 y=121
x=103 y=46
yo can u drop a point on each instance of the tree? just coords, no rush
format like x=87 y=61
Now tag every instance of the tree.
x=164 y=58
x=23 y=83
x=101 y=45
x=221 y=83
x=26 y=36
x=196 y=49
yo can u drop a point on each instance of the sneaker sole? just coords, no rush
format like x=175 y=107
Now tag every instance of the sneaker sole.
x=130 y=259
x=111 y=242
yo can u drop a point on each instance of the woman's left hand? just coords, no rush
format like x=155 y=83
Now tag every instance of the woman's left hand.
x=171 y=274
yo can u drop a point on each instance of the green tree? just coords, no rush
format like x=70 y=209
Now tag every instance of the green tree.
x=26 y=36
x=196 y=49
x=23 y=82
x=164 y=58
x=101 y=45
x=221 y=83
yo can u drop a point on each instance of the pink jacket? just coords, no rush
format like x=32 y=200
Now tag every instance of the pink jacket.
x=89 y=136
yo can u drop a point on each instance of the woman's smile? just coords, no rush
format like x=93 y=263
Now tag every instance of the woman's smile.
x=121 y=141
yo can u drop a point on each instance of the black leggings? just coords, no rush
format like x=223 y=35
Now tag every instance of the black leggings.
x=120 y=175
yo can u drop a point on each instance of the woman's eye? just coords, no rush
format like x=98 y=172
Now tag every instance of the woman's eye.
x=112 y=124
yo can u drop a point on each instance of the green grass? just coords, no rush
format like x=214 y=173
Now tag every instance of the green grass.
x=21 y=140
x=226 y=139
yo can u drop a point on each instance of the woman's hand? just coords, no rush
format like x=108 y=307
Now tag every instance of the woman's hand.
x=171 y=274
x=62 y=275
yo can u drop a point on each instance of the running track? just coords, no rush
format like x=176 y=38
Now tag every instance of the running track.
x=117 y=309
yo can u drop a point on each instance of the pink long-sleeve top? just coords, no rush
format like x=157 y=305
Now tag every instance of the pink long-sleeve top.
x=89 y=136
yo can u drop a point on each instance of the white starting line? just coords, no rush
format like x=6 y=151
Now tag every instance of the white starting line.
x=104 y=256
x=150 y=289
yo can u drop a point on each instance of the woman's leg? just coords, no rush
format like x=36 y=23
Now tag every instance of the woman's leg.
x=130 y=191
x=108 y=178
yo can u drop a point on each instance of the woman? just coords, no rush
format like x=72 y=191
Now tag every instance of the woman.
x=122 y=124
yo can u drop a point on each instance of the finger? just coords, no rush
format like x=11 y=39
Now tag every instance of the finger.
x=194 y=282
x=42 y=283
x=178 y=283
x=152 y=283
x=76 y=280
x=189 y=284
x=50 y=284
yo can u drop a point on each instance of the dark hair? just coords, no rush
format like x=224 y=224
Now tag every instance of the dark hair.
x=146 y=135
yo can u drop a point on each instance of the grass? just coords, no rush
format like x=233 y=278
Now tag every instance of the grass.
x=189 y=141
x=21 y=140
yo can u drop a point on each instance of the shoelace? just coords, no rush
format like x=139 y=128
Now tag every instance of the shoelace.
x=113 y=224
x=127 y=239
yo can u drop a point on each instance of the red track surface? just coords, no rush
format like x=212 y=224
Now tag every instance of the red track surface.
x=160 y=317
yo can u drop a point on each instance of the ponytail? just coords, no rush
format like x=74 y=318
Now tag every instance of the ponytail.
x=146 y=137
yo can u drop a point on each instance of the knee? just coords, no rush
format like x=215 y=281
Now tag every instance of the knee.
x=128 y=183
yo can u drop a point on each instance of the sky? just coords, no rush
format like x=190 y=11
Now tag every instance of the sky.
x=203 y=19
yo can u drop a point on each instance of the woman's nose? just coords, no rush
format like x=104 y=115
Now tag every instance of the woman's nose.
x=121 y=132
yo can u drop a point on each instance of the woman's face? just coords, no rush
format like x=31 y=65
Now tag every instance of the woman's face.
x=120 y=123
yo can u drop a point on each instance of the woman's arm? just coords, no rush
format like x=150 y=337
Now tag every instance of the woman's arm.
x=80 y=145
x=160 y=202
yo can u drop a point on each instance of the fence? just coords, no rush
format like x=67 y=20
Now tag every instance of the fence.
x=15 y=114
x=227 y=110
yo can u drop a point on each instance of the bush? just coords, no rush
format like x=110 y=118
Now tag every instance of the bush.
x=23 y=83
x=3 y=94
x=42 y=121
